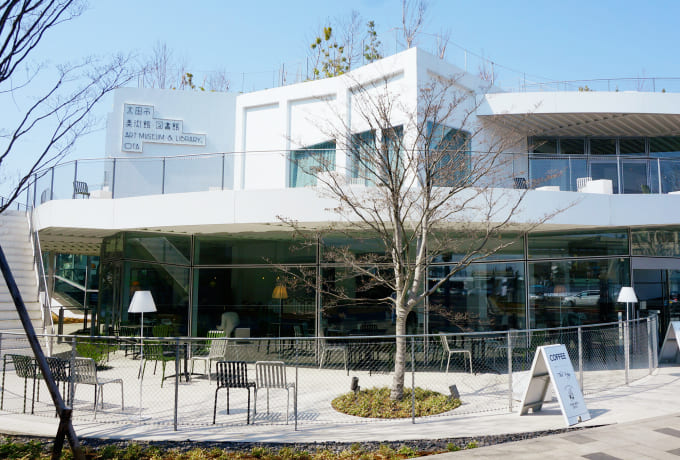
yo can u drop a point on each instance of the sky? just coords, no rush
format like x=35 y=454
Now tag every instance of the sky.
x=252 y=41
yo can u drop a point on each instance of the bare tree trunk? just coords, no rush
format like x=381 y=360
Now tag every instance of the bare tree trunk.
x=399 y=357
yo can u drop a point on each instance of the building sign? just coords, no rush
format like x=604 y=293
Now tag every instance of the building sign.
x=553 y=365
x=139 y=126
x=671 y=343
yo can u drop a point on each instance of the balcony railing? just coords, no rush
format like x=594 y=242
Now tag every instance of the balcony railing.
x=130 y=177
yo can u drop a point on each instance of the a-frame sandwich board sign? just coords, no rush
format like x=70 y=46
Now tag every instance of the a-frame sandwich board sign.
x=552 y=365
x=671 y=343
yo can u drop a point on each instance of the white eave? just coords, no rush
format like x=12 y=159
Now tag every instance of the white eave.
x=585 y=113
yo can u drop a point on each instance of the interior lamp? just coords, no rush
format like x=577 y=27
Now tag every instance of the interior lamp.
x=280 y=293
x=627 y=296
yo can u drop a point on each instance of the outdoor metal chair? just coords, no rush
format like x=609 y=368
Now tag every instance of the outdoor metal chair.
x=331 y=347
x=217 y=350
x=272 y=375
x=447 y=351
x=233 y=374
x=85 y=373
x=80 y=188
x=25 y=367
x=155 y=351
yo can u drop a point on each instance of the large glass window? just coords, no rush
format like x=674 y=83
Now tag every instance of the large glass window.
x=362 y=155
x=632 y=146
x=169 y=285
x=479 y=298
x=664 y=242
x=450 y=149
x=307 y=163
x=603 y=146
x=156 y=247
x=666 y=146
x=351 y=305
x=452 y=246
x=575 y=146
x=544 y=145
x=252 y=249
x=578 y=244
x=266 y=301
x=575 y=292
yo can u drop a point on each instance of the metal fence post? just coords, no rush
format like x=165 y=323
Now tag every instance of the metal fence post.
x=71 y=382
x=649 y=346
x=297 y=381
x=509 y=371
x=177 y=371
x=580 y=357
x=655 y=341
x=626 y=349
x=413 y=381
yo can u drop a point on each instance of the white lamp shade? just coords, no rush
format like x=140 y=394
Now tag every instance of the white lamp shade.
x=142 y=302
x=627 y=295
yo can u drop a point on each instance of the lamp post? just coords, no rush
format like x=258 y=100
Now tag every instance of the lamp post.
x=142 y=302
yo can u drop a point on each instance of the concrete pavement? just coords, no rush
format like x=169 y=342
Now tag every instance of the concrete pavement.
x=642 y=421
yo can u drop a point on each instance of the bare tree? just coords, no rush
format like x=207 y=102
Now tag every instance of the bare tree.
x=412 y=19
x=413 y=182
x=443 y=42
x=52 y=116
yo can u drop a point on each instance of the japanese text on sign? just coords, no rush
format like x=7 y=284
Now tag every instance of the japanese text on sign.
x=139 y=126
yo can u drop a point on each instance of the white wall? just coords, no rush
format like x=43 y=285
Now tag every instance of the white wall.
x=209 y=113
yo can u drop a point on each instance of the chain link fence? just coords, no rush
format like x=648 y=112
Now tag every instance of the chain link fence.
x=173 y=381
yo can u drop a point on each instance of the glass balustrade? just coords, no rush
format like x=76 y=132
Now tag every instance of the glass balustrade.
x=129 y=177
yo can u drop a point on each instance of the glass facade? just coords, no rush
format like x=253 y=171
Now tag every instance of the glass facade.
x=307 y=163
x=275 y=286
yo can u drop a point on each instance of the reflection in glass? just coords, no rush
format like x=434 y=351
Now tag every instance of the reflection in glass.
x=544 y=145
x=575 y=146
x=600 y=169
x=603 y=146
x=578 y=244
x=632 y=146
x=575 y=292
x=252 y=249
x=479 y=298
x=157 y=247
x=664 y=242
x=634 y=177
x=352 y=305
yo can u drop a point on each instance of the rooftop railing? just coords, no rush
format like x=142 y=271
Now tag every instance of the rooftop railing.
x=131 y=177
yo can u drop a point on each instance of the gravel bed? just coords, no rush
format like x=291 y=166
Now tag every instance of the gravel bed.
x=420 y=445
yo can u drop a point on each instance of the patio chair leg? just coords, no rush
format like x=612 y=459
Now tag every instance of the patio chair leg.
x=122 y=397
x=448 y=361
x=215 y=406
x=248 y=416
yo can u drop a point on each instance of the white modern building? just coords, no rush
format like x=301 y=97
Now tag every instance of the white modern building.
x=189 y=199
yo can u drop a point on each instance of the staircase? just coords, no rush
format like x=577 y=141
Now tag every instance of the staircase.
x=18 y=248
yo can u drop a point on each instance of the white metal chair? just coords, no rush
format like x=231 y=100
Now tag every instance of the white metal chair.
x=446 y=350
x=217 y=351
x=272 y=375
x=327 y=347
x=581 y=182
x=85 y=373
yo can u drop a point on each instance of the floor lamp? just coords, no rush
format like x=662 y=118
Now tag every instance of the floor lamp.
x=280 y=293
x=142 y=302
x=627 y=296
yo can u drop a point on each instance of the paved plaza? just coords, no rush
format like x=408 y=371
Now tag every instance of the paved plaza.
x=634 y=421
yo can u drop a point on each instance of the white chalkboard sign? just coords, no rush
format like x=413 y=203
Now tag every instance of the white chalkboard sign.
x=552 y=364
x=671 y=343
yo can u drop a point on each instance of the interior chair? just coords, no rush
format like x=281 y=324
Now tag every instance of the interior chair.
x=447 y=351
x=233 y=374
x=85 y=373
x=229 y=322
x=272 y=375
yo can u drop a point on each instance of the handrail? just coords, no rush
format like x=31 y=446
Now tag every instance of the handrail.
x=45 y=301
